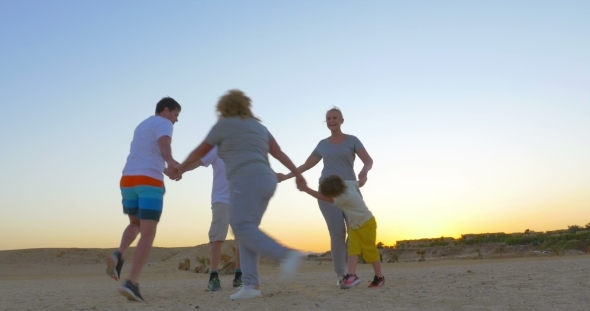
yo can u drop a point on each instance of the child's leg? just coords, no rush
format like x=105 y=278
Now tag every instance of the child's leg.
x=352 y=262
x=368 y=235
x=377 y=268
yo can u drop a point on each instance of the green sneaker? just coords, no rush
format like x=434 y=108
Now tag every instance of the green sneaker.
x=214 y=284
x=238 y=282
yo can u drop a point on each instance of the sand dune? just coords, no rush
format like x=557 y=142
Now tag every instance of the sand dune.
x=74 y=279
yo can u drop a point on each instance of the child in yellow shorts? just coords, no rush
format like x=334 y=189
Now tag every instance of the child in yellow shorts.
x=362 y=227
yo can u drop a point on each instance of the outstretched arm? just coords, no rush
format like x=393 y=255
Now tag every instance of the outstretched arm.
x=277 y=153
x=368 y=164
x=309 y=163
x=194 y=158
x=193 y=166
x=315 y=194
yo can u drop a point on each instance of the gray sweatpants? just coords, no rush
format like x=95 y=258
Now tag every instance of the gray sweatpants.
x=250 y=196
x=336 y=221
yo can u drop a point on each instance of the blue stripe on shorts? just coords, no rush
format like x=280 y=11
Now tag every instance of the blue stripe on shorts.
x=144 y=202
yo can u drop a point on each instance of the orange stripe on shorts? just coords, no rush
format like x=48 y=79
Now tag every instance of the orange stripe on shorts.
x=140 y=180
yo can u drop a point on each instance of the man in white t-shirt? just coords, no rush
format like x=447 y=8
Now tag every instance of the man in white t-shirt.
x=142 y=190
x=220 y=206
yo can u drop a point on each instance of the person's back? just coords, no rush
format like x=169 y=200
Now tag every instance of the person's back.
x=144 y=156
x=245 y=146
x=353 y=205
x=220 y=187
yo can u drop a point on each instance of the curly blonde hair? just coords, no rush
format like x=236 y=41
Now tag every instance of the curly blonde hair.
x=235 y=103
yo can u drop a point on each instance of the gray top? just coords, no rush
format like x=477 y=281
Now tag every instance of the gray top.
x=338 y=159
x=243 y=146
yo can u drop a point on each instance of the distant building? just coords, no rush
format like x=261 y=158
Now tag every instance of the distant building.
x=471 y=236
x=556 y=232
x=420 y=243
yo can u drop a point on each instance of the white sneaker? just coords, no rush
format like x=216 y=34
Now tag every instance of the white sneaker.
x=290 y=263
x=246 y=292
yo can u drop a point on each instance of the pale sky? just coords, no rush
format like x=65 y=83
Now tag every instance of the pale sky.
x=475 y=113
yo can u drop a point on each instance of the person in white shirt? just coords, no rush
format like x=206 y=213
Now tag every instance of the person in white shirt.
x=142 y=191
x=362 y=227
x=220 y=207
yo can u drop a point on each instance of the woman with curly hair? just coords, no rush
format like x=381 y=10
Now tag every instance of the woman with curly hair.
x=243 y=145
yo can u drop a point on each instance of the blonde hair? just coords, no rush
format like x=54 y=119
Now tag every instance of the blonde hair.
x=235 y=104
x=332 y=186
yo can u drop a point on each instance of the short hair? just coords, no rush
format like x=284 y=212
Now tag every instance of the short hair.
x=334 y=108
x=332 y=186
x=167 y=102
x=235 y=103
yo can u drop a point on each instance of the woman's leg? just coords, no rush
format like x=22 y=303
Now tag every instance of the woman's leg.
x=336 y=222
x=250 y=196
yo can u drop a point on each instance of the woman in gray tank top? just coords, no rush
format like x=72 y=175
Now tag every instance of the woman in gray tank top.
x=338 y=153
x=243 y=145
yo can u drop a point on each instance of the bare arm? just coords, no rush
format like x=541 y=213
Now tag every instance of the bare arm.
x=368 y=164
x=309 y=163
x=164 y=143
x=194 y=157
x=194 y=166
x=277 y=153
x=316 y=194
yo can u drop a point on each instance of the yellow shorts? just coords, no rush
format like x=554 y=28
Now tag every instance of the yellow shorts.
x=362 y=241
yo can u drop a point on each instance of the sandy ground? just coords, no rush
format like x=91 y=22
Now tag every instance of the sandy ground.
x=74 y=279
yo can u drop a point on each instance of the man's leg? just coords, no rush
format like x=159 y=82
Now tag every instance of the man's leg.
x=130 y=208
x=150 y=195
x=129 y=235
x=147 y=229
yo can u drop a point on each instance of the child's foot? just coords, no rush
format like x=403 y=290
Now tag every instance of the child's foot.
x=237 y=282
x=350 y=281
x=114 y=265
x=377 y=281
x=214 y=284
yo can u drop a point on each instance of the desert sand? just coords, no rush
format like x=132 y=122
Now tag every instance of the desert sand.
x=74 y=279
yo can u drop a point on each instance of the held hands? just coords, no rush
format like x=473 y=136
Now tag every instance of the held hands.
x=300 y=181
x=281 y=177
x=173 y=171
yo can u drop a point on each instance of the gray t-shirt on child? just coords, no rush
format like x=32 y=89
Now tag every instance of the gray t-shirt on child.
x=338 y=159
x=243 y=146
